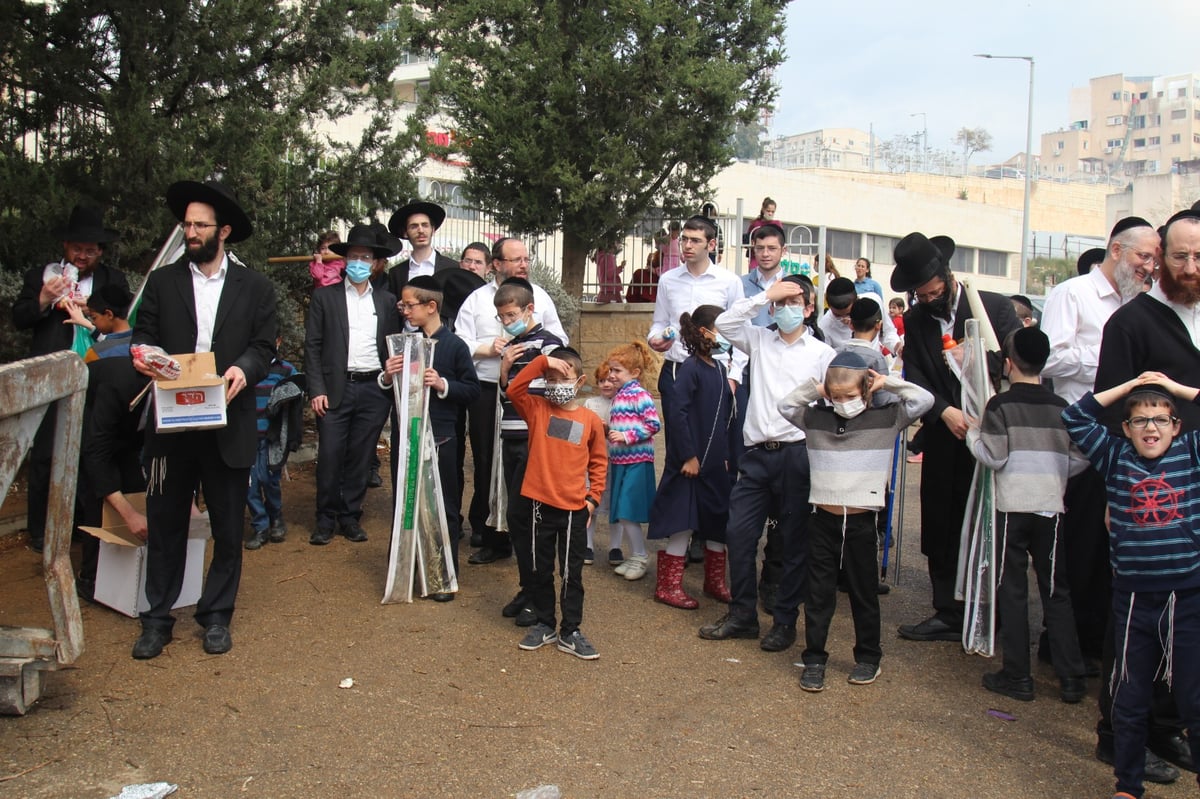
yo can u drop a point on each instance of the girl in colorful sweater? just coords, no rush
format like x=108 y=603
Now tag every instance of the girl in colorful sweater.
x=632 y=423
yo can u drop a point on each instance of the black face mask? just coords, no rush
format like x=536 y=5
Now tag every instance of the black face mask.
x=941 y=306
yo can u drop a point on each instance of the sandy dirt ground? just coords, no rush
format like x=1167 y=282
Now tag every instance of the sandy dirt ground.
x=444 y=704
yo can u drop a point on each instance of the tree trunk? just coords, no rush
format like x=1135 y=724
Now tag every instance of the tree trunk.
x=574 y=262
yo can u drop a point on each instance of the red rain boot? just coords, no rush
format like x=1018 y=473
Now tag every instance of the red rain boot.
x=714 y=576
x=669 y=589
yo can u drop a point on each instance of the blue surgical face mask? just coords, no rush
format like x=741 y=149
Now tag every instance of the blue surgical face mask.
x=788 y=318
x=358 y=271
x=721 y=344
x=516 y=328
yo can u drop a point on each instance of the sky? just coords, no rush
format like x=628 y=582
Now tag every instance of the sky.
x=878 y=63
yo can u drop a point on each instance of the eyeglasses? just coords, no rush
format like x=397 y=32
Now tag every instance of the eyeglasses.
x=766 y=248
x=1143 y=257
x=524 y=259
x=1159 y=422
x=408 y=306
x=699 y=241
x=1183 y=258
x=199 y=227
x=506 y=318
x=930 y=296
x=85 y=252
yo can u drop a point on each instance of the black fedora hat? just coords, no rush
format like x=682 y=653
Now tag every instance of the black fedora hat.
x=919 y=260
x=216 y=194
x=85 y=225
x=362 y=236
x=393 y=244
x=399 y=221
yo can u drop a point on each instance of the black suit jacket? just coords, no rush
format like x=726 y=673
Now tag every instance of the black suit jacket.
x=243 y=335
x=50 y=334
x=924 y=363
x=327 y=338
x=398 y=275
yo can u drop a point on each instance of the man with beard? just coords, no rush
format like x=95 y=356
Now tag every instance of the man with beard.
x=204 y=302
x=478 y=325
x=1074 y=318
x=42 y=307
x=417 y=222
x=923 y=267
x=1158 y=330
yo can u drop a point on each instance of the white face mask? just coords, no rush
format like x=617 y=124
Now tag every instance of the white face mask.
x=850 y=408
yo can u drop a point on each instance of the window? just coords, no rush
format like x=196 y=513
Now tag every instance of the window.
x=843 y=244
x=1179 y=113
x=1139 y=121
x=963 y=259
x=1139 y=144
x=1116 y=120
x=993 y=263
x=1154 y=141
x=1114 y=143
x=1060 y=145
x=1196 y=138
x=1181 y=92
x=1175 y=138
x=880 y=249
x=1116 y=95
x=1197 y=114
x=1085 y=144
x=1143 y=95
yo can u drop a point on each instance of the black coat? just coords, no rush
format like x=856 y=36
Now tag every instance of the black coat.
x=243 y=336
x=327 y=338
x=398 y=274
x=50 y=333
x=924 y=363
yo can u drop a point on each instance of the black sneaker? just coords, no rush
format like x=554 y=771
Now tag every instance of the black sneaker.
x=257 y=540
x=514 y=606
x=589 y=557
x=277 y=532
x=615 y=557
x=354 y=532
x=525 y=618
x=813 y=677
x=863 y=673
x=320 y=538
x=538 y=636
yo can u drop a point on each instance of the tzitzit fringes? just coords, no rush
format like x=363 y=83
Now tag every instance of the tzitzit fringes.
x=842 y=551
x=1114 y=682
x=1003 y=551
x=1054 y=552
x=1168 y=646
x=567 y=557
x=533 y=523
x=157 y=475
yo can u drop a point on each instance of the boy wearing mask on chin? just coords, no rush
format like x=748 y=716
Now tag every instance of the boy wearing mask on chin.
x=559 y=490
x=345 y=346
x=850 y=448
x=773 y=474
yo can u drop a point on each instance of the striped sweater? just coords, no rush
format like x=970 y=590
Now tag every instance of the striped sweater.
x=850 y=460
x=634 y=416
x=1154 y=506
x=1022 y=437
x=277 y=372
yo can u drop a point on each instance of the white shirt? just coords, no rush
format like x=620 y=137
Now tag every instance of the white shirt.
x=477 y=325
x=776 y=368
x=837 y=332
x=1189 y=315
x=425 y=267
x=362 y=352
x=948 y=324
x=1074 y=318
x=680 y=291
x=208 y=295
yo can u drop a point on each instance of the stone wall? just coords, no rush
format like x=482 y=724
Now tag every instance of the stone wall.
x=602 y=327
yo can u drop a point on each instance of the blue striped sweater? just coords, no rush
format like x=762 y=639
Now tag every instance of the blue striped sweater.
x=1154 y=505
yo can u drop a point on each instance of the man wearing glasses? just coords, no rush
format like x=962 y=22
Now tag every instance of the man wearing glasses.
x=478 y=325
x=43 y=307
x=923 y=268
x=204 y=302
x=1074 y=318
x=1158 y=330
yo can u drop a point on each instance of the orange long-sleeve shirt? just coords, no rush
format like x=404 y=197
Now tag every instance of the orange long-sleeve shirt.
x=568 y=454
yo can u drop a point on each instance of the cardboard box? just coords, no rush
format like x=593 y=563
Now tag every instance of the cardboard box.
x=196 y=401
x=121 y=571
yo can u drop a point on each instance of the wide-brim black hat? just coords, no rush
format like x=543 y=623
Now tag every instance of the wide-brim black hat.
x=457 y=285
x=399 y=221
x=216 y=194
x=362 y=236
x=85 y=225
x=386 y=239
x=919 y=260
x=1090 y=258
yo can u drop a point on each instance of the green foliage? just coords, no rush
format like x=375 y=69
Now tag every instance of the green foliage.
x=567 y=305
x=580 y=116
x=1045 y=273
x=111 y=102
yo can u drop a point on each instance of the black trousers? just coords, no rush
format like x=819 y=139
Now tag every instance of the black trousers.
x=481 y=425
x=545 y=533
x=1089 y=574
x=447 y=461
x=196 y=464
x=347 y=436
x=945 y=486
x=838 y=543
x=769 y=480
x=515 y=452
x=1025 y=536
x=666 y=389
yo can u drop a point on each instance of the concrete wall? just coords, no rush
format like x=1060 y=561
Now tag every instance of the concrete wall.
x=602 y=327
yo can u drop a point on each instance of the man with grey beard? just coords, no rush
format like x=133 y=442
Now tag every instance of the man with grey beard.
x=1074 y=318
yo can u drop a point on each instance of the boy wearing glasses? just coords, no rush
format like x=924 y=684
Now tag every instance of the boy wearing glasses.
x=1154 y=548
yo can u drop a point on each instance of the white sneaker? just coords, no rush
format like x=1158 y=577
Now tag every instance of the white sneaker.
x=634 y=567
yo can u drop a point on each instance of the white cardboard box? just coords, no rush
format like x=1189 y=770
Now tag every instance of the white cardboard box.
x=121 y=571
x=196 y=401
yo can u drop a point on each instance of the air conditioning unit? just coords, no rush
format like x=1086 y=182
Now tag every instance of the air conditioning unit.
x=1108 y=150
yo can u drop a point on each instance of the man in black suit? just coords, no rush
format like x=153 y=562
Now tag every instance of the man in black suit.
x=41 y=307
x=204 y=302
x=345 y=345
x=923 y=267
x=417 y=222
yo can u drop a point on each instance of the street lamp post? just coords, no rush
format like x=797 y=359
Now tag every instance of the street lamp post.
x=924 y=138
x=1028 y=163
